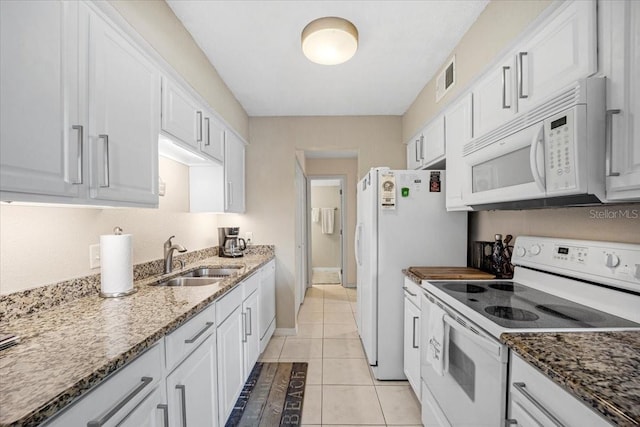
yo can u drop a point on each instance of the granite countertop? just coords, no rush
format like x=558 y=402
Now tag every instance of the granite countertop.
x=68 y=349
x=602 y=369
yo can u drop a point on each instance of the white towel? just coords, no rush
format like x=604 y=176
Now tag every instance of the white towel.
x=437 y=337
x=315 y=214
x=327 y=220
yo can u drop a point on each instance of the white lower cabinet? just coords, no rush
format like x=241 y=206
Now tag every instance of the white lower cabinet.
x=412 y=336
x=267 y=304
x=192 y=388
x=535 y=400
x=250 y=311
x=151 y=412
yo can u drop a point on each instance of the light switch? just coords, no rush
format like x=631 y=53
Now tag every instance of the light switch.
x=94 y=256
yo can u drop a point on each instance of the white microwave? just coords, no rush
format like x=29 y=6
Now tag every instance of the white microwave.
x=551 y=155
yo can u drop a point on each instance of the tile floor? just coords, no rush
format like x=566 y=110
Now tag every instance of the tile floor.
x=340 y=389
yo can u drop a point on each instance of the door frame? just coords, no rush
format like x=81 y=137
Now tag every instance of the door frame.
x=301 y=226
x=343 y=218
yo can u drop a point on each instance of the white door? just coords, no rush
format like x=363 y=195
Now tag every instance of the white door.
x=191 y=388
x=457 y=133
x=415 y=152
x=234 y=173
x=124 y=111
x=153 y=411
x=621 y=64
x=40 y=128
x=251 y=331
x=563 y=51
x=300 y=236
x=367 y=292
x=433 y=141
x=182 y=117
x=494 y=100
x=230 y=363
x=412 y=345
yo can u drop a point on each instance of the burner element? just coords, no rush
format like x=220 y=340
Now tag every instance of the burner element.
x=569 y=313
x=464 y=287
x=511 y=313
x=508 y=287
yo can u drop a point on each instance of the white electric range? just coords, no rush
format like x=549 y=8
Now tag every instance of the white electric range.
x=558 y=285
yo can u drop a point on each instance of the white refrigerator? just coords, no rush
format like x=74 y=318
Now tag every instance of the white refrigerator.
x=402 y=222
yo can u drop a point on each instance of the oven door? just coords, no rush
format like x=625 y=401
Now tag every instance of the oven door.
x=509 y=169
x=472 y=391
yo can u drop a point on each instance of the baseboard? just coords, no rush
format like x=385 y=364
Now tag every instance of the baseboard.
x=350 y=285
x=282 y=332
x=329 y=269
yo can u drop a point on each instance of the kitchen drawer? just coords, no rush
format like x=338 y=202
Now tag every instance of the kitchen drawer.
x=181 y=342
x=535 y=400
x=250 y=284
x=412 y=291
x=117 y=396
x=228 y=303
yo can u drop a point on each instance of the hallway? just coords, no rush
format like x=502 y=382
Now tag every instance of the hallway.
x=340 y=389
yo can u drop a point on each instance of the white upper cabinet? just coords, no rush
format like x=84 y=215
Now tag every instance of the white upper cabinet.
x=181 y=114
x=563 y=51
x=415 y=152
x=494 y=97
x=434 y=141
x=458 y=132
x=234 y=174
x=40 y=129
x=124 y=113
x=80 y=108
x=620 y=62
x=213 y=138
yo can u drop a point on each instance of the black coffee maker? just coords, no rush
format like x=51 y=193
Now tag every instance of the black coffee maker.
x=231 y=246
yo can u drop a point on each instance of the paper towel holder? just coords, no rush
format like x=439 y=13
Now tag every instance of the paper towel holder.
x=117 y=231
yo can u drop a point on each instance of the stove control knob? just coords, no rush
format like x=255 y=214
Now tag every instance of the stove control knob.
x=520 y=251
x=535 y=249
x=611 y=260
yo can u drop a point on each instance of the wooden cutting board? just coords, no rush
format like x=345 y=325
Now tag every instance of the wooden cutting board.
x=450 y=273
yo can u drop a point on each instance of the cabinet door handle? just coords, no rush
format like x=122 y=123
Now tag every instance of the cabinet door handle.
x=165 y=413
x=521 y=56
x=510 y=422
x=80 y=130
x=196 y=336
x=208 y=141
x=417 y=155
x=199 y=126
x=408 y=291
x=504 y=88
x=244 y=327
x=183 y=403
x=421 y=147
x=145 y=381
x=230 y=186
x=521 y=387
x=249 y=321
x=413 y=339
x=609 y=143
x=105 y=160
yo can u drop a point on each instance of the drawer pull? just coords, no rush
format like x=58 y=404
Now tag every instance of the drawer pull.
x=521 y=387
x=413 y=340
x=165 y=413
x=145 y=381
x=183 y=403
x=249 y=321
x=408 y=291
x=196 y=336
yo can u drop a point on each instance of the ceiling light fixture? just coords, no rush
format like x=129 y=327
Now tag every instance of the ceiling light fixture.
x=329 y=40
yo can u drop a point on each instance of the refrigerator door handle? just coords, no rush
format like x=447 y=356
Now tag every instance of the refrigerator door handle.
x=357 y=245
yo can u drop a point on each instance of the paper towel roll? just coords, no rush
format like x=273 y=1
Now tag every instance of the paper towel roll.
x=116 y=264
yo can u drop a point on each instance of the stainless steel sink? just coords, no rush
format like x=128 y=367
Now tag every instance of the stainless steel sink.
x=213 y=272
x=189 y=281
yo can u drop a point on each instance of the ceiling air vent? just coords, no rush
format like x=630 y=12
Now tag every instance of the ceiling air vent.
x=446 y=79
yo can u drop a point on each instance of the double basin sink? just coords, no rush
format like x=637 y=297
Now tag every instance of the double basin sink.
x=202 y=276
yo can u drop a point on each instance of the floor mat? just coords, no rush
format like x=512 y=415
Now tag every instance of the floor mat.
x=326 y=278
x=272 y=396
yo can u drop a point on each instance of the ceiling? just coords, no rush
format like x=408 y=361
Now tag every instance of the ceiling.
x=255 y=47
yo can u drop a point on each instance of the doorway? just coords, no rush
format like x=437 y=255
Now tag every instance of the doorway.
x=326 y=229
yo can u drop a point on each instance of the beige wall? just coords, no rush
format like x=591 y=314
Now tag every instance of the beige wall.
x=270 y=179
x=157 y=23
x=47 y=244
x=495 y=28
x=348 y=167
x=325 y=248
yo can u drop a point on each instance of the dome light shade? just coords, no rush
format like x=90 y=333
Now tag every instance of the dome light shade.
x=329 y=40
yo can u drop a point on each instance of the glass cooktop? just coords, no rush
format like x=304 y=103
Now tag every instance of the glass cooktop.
x=513 y=305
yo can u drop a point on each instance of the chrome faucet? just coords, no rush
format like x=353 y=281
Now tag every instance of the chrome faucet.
x=168 y=254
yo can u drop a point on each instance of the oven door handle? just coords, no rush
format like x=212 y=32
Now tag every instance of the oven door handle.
x=493 y=348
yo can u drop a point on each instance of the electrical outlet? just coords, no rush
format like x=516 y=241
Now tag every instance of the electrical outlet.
x=248 y=236
x=94 y=256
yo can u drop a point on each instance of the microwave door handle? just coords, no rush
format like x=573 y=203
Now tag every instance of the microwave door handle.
x=536 y=144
